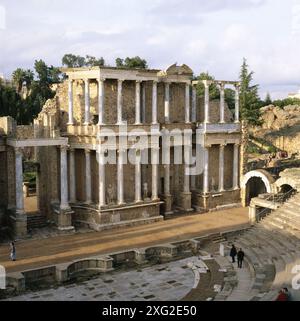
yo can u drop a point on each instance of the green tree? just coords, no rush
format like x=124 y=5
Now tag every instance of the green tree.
x=268 y=100
x=73 y=61
x=119 y=62
x=21 y=76
x=286 y=102
x=214 y=92
x=93 y=61
x=133 y=62
x=249 y=98
x=230 y=98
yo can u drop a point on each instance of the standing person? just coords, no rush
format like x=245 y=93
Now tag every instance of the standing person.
x=240 y=257
x=233 y=253
x=282 y=296
x=12 y=251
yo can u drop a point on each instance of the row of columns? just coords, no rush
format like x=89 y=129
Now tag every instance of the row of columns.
x=120 y=176
x=221 y=168
x=222 y=102
x=64 y=197
x=138 y=95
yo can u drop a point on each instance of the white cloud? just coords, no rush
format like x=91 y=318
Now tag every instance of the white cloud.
x=209 y=36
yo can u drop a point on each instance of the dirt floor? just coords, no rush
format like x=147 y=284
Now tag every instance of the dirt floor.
x=60 y=249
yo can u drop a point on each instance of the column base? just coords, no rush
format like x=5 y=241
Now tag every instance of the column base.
x=19 y=224
x=237 y=122
x=64 y=220
x=70 y=124
x=168 y=204
x=186 y=202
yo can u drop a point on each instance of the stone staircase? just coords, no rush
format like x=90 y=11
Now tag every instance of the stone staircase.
x=36 y=220
x=272 y=249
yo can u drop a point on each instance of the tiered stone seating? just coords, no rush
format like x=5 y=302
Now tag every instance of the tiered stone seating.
x=272 y=249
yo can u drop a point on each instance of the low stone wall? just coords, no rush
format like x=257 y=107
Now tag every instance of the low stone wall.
x=43 y=274
x=116 y=217
x=215 y=200
x=61 y=273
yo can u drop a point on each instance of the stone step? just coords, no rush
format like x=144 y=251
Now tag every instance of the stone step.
x=287 y=216
x=288 y=211
x=36 y=221
x=286 y=221
x=280 y=242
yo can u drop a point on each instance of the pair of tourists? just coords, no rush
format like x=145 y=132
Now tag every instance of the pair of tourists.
x=240 y=256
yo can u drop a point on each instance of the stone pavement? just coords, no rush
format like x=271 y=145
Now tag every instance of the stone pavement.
x=61 y=249
x=170 y=281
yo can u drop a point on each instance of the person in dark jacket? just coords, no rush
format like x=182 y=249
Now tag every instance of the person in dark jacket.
x=233 y=253
x=240 y=257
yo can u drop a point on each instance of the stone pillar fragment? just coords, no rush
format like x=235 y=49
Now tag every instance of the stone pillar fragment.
x=88 y=177
x=72 y=176
x=70 y=93
x=87 y=102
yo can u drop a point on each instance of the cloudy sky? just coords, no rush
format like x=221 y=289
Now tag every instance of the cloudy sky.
x=207 y=35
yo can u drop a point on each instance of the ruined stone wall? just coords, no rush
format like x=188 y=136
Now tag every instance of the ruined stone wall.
x=11 y=174
x=177 y=103
x=48 y=178
x=25 y=132
x=3 y=179
x=228 y=166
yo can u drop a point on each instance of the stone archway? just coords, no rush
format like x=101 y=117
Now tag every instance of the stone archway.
x=255 y=183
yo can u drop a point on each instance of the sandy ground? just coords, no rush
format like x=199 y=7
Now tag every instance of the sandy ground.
x=60 y=249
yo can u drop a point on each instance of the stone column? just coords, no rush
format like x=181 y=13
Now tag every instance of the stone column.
x=64 y=204
x=237 y=103
x=206 y=169
x=167 y=102
x=19 y=181
x=102 y=187
x=72 y=176
x=194 y=104
x=20 y=222
x=236 y=166
x=155 y=160
x=206 y=101
x=120 y=102
x=70 y=92
x=138 y=102
x=222 y=103
x=101 y=101
x=120 y=177
x=187 y=104
x=186 y=195
x=88 y=177
x=87 y=102
x=221 y=168
x=154 y=102
x=138 y=177
x=144 y=102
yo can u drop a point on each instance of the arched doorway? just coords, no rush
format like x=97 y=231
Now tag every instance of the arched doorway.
x=286 y=188
x=255 y=183
x=254 y=187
